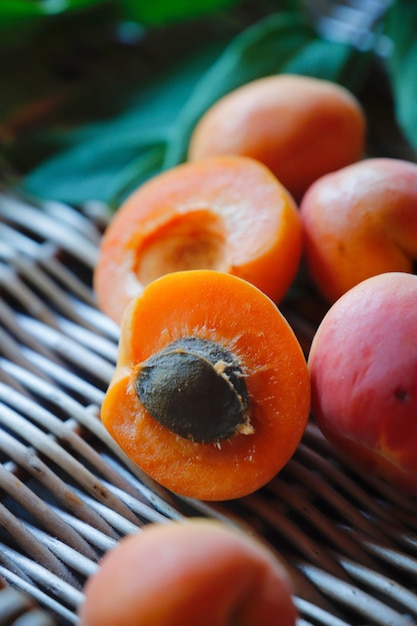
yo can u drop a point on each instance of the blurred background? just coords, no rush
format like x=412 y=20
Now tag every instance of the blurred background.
x=98 y=95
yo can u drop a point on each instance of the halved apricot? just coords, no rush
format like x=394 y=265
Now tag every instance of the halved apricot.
x=211 y=393
x=228 y=214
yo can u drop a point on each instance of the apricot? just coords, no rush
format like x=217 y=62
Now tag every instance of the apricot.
x=227 y=213
x=363 y=369
x=197 y=571
x=211 y=393
x=298 y=126
x=360 y=221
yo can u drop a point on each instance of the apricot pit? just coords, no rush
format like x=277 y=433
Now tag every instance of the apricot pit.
x=196 y=388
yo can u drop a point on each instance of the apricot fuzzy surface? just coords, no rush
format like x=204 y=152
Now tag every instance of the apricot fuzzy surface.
x=363 y=370
x=360 y=221
x=187 y=573
x=300 y=127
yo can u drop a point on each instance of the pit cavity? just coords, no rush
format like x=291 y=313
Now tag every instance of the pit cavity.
x=192 y=240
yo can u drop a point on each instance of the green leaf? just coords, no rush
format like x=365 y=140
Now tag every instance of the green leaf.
x=21 y=8
x=401 y=62
x=104 y=169
x=281 y=43
x=331 y=60
x=147 y=12
x=20 y=19
x=156 y=12
x=105 y=160
x=260 y=50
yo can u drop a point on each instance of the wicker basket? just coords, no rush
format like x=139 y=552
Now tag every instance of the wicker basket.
x=67 y=493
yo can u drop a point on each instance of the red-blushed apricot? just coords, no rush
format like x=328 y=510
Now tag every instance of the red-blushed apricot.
x=363 y=370
x=228 y=214
x=360 y=221
x=300 y=127
x=190 y=573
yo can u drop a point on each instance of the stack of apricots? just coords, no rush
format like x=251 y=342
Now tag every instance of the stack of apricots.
x=212 y=390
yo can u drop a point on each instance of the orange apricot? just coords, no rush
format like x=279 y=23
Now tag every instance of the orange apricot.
x=300 y=127
x=211 y=394
x=228 y=214
x=360 y=221
x=194 y=572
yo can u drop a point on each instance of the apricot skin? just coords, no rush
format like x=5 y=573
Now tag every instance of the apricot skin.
x=359 y=222
x=187 y=573
x=299 y=127
x=363 y=369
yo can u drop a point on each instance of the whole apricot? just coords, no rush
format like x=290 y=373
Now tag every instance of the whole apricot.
x=300 y=127
x=363 y=369
x=187 y=573
x=360 y=221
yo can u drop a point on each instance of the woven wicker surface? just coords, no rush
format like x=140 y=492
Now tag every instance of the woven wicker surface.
x=67 y=493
